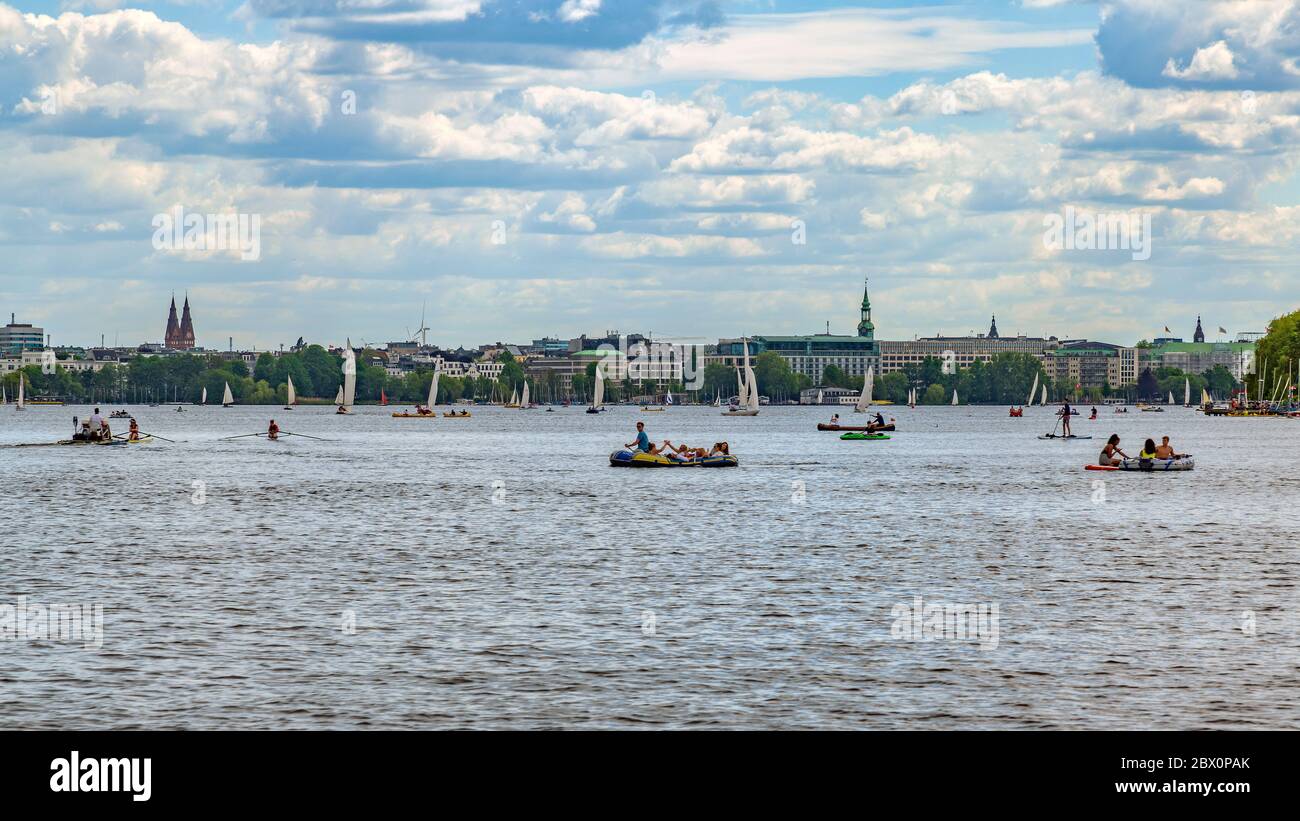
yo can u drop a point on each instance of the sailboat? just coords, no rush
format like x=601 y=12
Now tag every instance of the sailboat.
x=22 y=404
x=203 y=397
x=819 y=396
x=292 y=396
x=349 y=389
x=427 y=412
x=1205 y=398
x=748 y=400
x=227 y=398
x=598 y=393
x=864 y=399
x=1171 y=397
x=514 y=399
x=4 y=395
x=954 y=396
x=911 y=397
x=523 y=400
x=383 y=397
x=1187 y=393
x=668 y=400
x=338 y=397
x=1032 y=392
x=1044 y=399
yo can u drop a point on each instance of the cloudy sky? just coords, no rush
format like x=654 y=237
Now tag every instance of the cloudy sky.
x=554 y=167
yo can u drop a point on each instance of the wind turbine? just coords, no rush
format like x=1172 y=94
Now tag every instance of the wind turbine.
x=423 y=330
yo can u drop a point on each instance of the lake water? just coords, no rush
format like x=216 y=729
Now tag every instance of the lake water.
x=495 y=572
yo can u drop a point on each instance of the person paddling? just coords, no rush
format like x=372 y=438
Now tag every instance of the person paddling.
x=1108 y=458
x=273 y=431
x=1065 y=420
x=642 y=442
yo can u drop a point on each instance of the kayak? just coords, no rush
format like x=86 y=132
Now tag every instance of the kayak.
x=640 y=459
x=863 y=436
x=1058 y=436
x=464 y=415
x=416 y=415
x=867 y=428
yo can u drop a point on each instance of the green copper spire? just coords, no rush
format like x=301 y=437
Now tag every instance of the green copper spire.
x=866 y=327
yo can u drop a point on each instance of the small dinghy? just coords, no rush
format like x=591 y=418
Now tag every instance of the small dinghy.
x=639 y=459
x=854 y=436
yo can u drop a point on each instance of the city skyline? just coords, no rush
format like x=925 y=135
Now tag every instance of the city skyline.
x=548 y=167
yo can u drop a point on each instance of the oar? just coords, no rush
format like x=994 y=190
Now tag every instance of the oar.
x=241 y=436
x=156 y=436
x=305 y=436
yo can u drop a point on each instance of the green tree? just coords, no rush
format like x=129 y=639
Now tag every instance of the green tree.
x=934 y=395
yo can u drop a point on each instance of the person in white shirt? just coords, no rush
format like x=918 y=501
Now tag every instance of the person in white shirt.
x=96 y=423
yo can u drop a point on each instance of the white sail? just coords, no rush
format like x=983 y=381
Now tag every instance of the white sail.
x=668 y=400
x=514 y=398
x=1044 y=401
x=227 y=398
x=1187 y=391
x=1033 y=390
x=523 y=400
x=819 y=396
x=954 y=396
x=598 y=394
x=349 y=377
x=4 y=395
x=203 y=398
x=751 y=393
x=1171 y=397
x=293 y=396
x=740 y=388
x=22 y=404
x=338 y=397
x=433 y=386
x=864 y=398
x=1205 y=397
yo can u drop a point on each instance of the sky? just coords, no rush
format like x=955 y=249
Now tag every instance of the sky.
x=512 y=169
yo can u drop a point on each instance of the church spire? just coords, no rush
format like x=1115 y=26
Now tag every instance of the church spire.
x=173 y=326
x=866 y=327
x=186 y=339
x=1199 y=336
x=993 y=328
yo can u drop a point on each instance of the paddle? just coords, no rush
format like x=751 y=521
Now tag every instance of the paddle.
x=304 y=436
x=144 y=433
x=241 y=436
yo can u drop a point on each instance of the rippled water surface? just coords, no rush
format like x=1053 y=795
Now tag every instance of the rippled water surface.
x=499 y=574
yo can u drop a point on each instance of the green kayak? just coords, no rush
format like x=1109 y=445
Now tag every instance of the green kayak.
x=864 y=436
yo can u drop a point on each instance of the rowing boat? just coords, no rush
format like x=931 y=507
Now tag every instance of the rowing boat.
x=430 y=415
x=1149 y=465
x=864 y=428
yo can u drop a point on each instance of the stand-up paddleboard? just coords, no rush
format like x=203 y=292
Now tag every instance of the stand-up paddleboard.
x=851 y=436
x=1058 y=436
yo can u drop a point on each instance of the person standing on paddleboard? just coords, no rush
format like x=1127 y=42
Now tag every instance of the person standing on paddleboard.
x=1065 y=420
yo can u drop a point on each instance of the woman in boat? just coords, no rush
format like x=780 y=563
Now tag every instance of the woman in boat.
x=273 y=430
x=1148 y=450
x=1108 y=458
x=134 y=432
x=720 y=449
x=684 y=451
